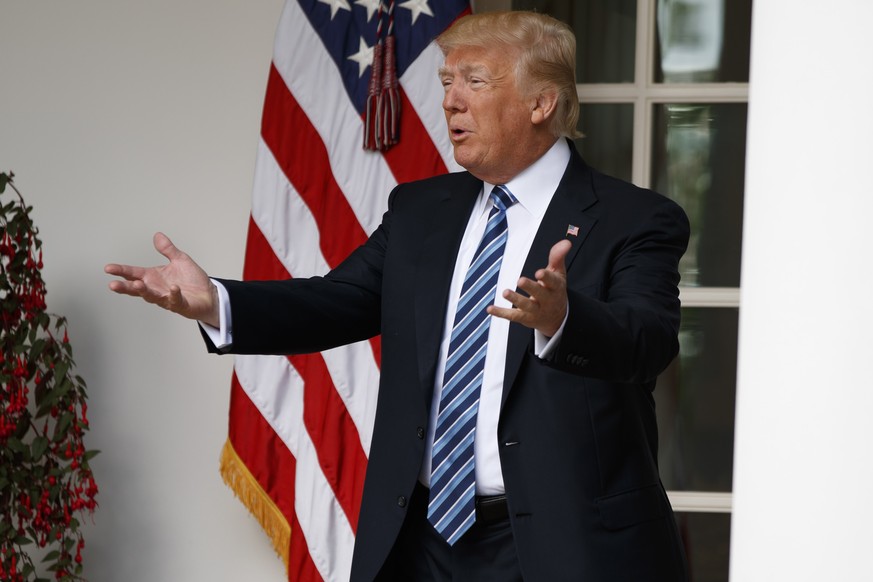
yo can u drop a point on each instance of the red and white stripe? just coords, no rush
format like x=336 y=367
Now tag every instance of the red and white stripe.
x=302 y=425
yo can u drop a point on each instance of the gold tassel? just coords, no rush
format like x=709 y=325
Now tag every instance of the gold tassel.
x=371 y=119
x=389 y=99
x=247 y=489
x=382 y=112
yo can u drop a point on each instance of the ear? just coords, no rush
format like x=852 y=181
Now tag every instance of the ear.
x=543 y=107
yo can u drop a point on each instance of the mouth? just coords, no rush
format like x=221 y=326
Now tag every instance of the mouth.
x=458 y=133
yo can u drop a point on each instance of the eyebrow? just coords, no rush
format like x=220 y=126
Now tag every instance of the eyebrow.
x=464 y=69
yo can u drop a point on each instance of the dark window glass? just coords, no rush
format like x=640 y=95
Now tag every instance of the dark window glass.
x=703 y=42
x=699 y=160
x=605 y=35
x=707 y=539
x=609 y=134
x=695 y=400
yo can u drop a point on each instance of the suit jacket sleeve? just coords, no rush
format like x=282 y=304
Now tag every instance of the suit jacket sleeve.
x=626 y=328
x=313 y=314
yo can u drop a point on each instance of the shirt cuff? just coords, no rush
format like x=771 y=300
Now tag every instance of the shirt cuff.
x=545 y=346
x=221 y=336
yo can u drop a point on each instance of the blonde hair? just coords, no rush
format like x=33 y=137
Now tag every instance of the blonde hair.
x=547 y=56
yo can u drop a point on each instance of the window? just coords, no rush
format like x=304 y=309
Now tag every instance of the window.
x=663 y=87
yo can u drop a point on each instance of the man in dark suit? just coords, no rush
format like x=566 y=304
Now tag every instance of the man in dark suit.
x=562 y=476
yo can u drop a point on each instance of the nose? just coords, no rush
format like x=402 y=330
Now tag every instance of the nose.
x=453 y=100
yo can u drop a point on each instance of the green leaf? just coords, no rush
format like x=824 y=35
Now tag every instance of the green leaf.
x=23 y=424
x=90 y=455
x=52 y=555
x=43 y=409
x=62 y=386
x=4 y=178
x=26 y=457
x=64 y=422
x=37 y=348
x=15 y=445
x=23 y=540
x=39 y=446
x=61 y=369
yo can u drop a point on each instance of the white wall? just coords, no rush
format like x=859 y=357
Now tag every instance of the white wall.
x=121 y=118
x=803 y=476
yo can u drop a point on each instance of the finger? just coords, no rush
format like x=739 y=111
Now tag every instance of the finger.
x=528 y=286
x=128 y=272
x=549 y=279
x=547 y=283
x=515 y=315
x=134 y=288
x=517 y=300
x=174 y=300
x=165 y=246
x=558 y=256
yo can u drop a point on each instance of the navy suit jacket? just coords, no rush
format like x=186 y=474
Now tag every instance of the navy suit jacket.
x=577 y=433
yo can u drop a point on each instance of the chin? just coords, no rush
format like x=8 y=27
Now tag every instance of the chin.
x=465 y=161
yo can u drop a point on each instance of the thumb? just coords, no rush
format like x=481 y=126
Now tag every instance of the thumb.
x=558 y=255
x=165 y=246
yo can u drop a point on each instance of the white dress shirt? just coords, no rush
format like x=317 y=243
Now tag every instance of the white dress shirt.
x=533 y=188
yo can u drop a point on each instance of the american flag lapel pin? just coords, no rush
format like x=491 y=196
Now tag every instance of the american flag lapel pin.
x=572 y=230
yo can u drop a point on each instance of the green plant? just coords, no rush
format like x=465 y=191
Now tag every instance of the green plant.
x=45 y=478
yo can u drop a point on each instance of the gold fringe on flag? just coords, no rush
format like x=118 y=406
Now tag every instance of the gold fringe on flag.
x=247 y=489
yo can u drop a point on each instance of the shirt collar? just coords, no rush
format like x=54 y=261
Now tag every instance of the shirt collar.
x=535 y=185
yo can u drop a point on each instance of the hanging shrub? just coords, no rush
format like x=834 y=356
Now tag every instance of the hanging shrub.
x=46 y=484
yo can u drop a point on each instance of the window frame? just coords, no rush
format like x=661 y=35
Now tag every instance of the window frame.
x=645 y=94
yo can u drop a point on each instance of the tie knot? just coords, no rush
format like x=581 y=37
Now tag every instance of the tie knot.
x=502 y=198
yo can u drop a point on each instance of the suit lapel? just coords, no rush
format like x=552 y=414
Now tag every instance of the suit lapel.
x=435 y=268
x=566 y=210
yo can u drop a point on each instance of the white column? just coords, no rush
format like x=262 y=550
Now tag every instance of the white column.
x=803 y=472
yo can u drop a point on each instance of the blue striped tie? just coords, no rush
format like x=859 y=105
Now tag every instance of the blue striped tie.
x=452 y=507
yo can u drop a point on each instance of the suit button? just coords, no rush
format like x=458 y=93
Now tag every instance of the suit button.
x=401 y=501
x=420 y=432
x=577 y=360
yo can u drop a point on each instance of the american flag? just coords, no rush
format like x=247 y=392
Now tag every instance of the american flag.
x=300 y=427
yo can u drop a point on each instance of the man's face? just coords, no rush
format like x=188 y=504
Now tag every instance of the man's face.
x=489 y=121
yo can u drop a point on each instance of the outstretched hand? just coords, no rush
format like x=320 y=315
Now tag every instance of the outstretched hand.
x=180 y=286
x=545 y=305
